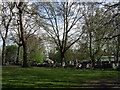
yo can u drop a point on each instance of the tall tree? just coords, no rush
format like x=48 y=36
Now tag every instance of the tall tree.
x=6 y=14
x=96 y=28
x=63 y=23
x=16 y=36
x=26 y=18
x=115 y=21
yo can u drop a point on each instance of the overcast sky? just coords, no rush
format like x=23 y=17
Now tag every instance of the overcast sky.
x=64 y=0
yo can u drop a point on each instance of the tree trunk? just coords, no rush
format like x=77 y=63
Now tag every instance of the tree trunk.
x=93 y=62
x=90 y=48
x=117 y=56
x=62 y=58
x=25 y=62
x=18 y=53
x=3 y=52
x=24 y=44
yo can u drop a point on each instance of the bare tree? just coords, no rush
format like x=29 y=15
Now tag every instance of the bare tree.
x=26 y=21
x=63 y=23
x=16 y=36
x=6 y=15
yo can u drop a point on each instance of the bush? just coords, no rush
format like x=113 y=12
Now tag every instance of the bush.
x=118 y=68
x=11 y=52
x=106 y=65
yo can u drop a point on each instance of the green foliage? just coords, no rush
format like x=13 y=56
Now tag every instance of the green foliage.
x=35 y=55
x=69 y=55
x=38 y=57
x=11 y=52
x=106 y=57
x=34 y=49
x=55 y=56
x=83 y=52
x=96 y=30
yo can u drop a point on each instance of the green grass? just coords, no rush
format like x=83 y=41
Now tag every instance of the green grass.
x=39 y=77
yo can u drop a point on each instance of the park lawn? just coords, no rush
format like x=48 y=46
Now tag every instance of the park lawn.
x=41 y=77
